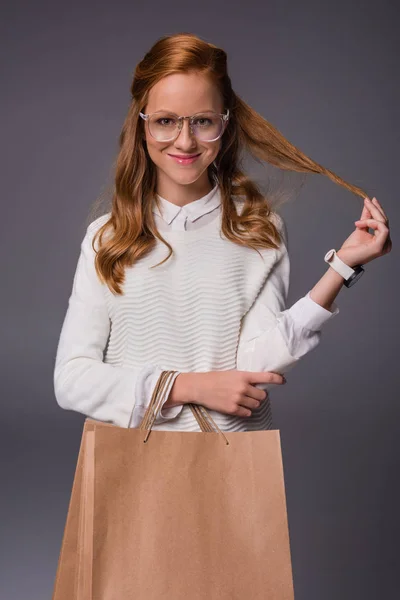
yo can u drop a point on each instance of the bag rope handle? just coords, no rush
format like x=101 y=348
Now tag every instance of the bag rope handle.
x=203 y=417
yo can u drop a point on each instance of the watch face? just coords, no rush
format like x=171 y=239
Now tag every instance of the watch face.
x=355 y=277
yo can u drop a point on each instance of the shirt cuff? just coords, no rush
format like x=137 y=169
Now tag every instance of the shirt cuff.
x=310 y=314
x=171 y=411
x=165 y=414
x=145 y=386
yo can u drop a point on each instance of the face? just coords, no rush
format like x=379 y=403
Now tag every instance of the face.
x=183 y=94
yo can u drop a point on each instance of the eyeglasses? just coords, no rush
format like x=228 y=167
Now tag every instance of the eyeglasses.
x=165 y=126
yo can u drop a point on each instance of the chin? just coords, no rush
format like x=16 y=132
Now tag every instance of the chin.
x=185 y=175
x=186 y=179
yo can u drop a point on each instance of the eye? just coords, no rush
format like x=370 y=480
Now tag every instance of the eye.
x=203 y=121
x=166 y=121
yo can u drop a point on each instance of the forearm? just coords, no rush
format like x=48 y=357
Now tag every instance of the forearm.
x=323 y=293
x=182 y=390
x=327 y=288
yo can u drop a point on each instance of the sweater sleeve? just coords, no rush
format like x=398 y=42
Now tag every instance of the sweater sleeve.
x=83 y=382
x=273 y=337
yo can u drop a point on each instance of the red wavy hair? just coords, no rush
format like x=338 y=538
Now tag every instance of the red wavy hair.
x=131 y=230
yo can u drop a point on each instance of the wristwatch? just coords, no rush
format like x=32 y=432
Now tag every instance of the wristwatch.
x=349 y=274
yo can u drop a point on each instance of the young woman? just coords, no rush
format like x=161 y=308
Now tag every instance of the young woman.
x=189 y=271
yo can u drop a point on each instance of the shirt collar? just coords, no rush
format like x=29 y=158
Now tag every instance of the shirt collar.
x=193 y=210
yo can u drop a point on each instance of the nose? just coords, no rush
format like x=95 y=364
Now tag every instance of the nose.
x=186 y=139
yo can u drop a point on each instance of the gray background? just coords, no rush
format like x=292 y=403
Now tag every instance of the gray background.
x=325 y=75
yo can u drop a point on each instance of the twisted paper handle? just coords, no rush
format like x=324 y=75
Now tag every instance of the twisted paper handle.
x=203 y=417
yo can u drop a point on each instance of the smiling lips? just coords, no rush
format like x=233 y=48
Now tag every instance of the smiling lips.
x=184 y=159
x=184 y=155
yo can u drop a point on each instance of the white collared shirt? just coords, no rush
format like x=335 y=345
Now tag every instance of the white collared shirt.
x=190 y=216
x=198 y=213
x=185 y=317
x=300 y=325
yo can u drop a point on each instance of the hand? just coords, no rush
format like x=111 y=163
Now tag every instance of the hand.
x=361 y=246
x=231 y=392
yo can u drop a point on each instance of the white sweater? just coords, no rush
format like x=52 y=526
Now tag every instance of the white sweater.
x=185 y=315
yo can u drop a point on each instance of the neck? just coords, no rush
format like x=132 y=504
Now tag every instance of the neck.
x=181 y=194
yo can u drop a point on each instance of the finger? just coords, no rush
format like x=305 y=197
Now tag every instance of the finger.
x=365 y=213
x=387 y=246
x=256 y=393
x=373 y=223
x=375 y=211
x=243 y=412
x=251 y=403
x=264 y=377
x=375 y=201
x=380 y=229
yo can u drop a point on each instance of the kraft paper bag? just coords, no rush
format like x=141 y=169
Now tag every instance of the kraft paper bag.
x=176 y=515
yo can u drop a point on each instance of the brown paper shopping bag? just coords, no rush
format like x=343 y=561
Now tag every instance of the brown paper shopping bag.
x=176 y=515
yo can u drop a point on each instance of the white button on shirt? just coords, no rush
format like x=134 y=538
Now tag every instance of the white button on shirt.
x=191 y=216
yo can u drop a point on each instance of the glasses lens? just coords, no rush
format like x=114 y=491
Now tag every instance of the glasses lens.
x=163 y=126
x=207 y=126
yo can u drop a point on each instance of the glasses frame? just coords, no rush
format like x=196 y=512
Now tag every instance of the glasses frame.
x=224 y=117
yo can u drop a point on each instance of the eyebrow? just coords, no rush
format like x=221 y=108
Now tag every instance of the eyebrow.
x=197 y=111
